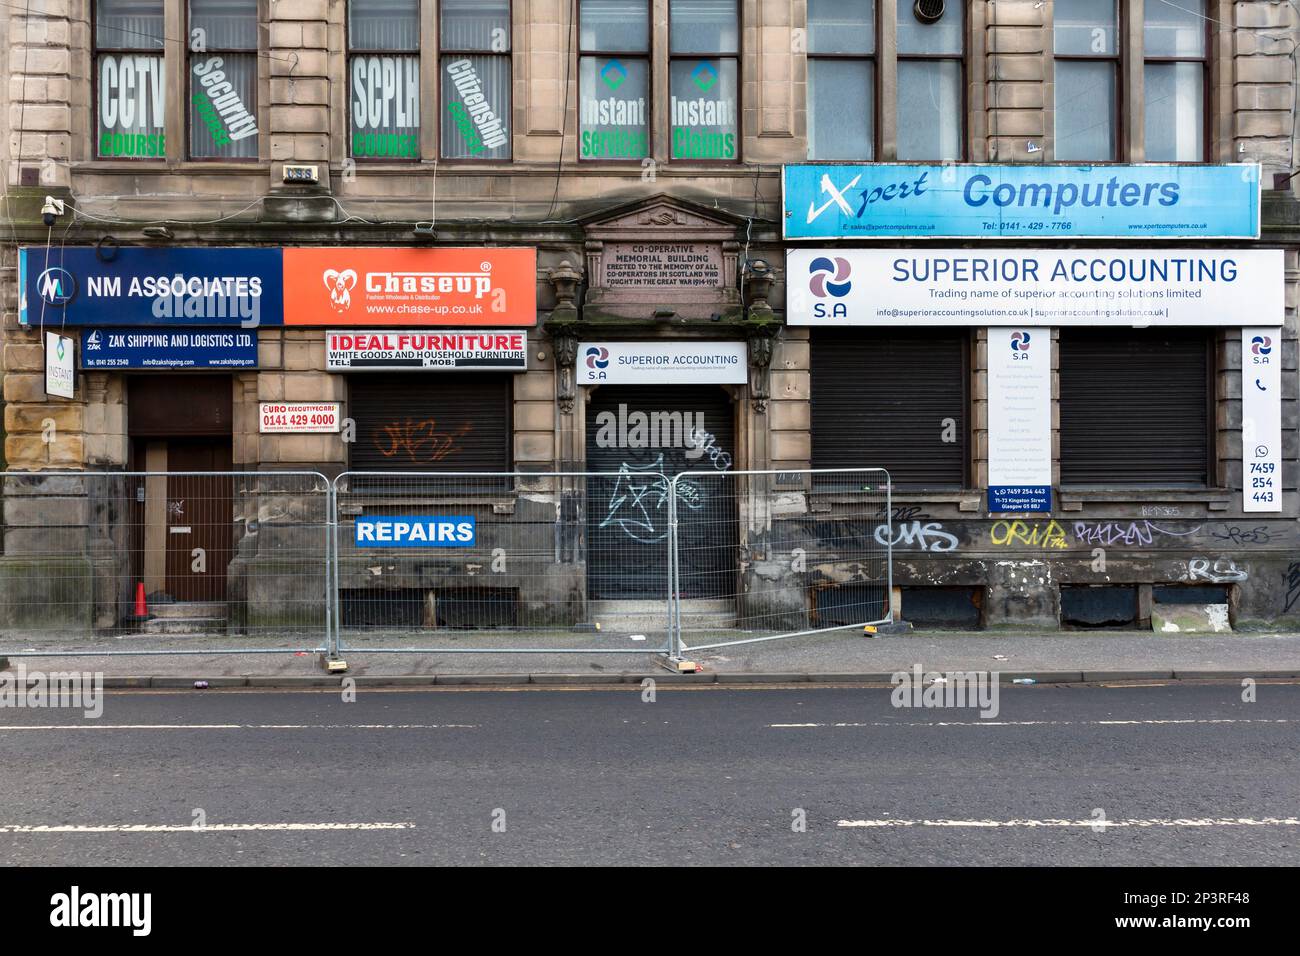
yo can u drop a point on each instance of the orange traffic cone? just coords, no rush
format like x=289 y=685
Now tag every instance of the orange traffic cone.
x=141 y=609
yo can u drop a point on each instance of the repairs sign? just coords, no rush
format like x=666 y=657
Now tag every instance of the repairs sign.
x=395 y=350
x=413 y=531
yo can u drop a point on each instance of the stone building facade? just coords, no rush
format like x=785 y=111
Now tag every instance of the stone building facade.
x=530 y=161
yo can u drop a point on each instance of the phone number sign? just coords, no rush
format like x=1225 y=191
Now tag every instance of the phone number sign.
x=298 y=417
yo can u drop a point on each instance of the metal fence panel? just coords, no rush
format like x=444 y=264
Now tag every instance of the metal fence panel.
x=779 y=554
x=461 y=562
x=218 y=562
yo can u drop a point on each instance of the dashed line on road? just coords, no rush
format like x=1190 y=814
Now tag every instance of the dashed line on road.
x=1093 y=824
x=1036 y=723
x=94 y=726
x=207 y=828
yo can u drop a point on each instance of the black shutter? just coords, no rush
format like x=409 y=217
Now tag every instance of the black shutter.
x=1135 y=407
x=880 y=398
x=453 y=421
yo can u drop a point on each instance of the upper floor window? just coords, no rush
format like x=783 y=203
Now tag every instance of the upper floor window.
x=613 y=79
x=474 y=53
x=841 y=79
x=223 y=79
x=384 y=78
x=1086 y=44
x=931 y=112
x=130 y=87
x=1174 y=75
x=704 y=79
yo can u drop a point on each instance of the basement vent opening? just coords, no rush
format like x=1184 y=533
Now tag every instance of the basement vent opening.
x=429 y=608
x=1108 y=606
x=943 y=607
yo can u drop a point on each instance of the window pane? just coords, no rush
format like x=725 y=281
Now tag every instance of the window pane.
x=223 y=106
x=227 y=24
x=615 y=25
x=132 y=95
x=929 y=109
x=703 y=109
x=841 y=26
x=614 y=111
x=384 y=24
x=702 y=26
x=942 y=36
x=475 y=25
x=841 y=109
x=385 y=106
x=1175 y=121
x=475 y=107
x=1085 y=110
x=1083 y=27
x=129 y=24
x=1174 y=30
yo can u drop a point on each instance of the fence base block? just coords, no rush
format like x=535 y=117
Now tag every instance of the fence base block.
x=333 y=665
x=679 y=666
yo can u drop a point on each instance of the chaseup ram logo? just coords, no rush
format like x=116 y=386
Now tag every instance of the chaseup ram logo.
x=473 y=115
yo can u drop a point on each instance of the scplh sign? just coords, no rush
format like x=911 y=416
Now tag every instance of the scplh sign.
x=415 y=532
x=208 y=286
x=1261 y=419
x=1012 y=287
x=974 y=201
x=168 y=349
x=662 y=363
x=366 y=350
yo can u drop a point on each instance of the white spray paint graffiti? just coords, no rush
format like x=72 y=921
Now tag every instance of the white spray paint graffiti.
x=638 y=503
x=924 y=536
x=1224 y=571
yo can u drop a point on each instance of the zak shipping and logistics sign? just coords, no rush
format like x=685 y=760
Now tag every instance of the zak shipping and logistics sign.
x=662 y=363
x=1065 y=287
x=410 y=531
x=168 y=348
x=967 y=201
x=1020 y=419
x=1261 y=419
x=379 y=351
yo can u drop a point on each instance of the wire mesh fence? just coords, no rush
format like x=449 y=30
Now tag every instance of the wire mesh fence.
x=164 y=562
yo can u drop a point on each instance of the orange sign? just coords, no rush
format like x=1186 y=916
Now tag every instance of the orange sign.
x=410 y=287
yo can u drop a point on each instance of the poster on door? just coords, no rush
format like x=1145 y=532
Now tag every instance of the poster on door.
x=1261 y=419
x=1020 y=419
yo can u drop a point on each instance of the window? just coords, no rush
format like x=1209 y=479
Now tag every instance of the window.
x=1086 y=44
x=1135 y=407
x=931 y=111
x=130 y=88
x=223 y=79
x=474 y=45
x=1174 y=73
x=703 y=78
x=841 y=79
x=614 y=79
x=384 y=78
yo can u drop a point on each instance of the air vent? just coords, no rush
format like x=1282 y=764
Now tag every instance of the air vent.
x=928 y=11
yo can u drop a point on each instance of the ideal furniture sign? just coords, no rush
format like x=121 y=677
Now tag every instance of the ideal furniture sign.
x=363 y=350
x=970 y=201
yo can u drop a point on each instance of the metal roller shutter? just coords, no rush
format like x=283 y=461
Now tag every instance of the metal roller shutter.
x=1135 y=407
x=430 y=422
x=880 y=398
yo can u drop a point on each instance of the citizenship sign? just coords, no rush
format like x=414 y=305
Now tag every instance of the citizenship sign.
x=1059 y=287
x=168 y=348
x=415 y=532
x=955 y=201
x=363 y=350
x=662 y=363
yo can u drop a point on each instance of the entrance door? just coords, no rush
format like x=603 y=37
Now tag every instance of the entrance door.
x=636 y=430
x=200 y=519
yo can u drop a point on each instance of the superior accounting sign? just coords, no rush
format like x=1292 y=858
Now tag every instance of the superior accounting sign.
x=1134 y=287
x=661 y=363
x=989 y=201
x=364 y=350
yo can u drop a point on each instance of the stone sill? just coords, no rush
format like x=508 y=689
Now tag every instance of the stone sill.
x=964 y=500
x=147 y=167
x=1214 y=499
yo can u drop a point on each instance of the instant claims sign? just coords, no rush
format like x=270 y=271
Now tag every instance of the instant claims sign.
x=367 y=350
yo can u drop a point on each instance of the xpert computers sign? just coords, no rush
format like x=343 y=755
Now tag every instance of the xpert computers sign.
x=970 y=201
x=413 y=531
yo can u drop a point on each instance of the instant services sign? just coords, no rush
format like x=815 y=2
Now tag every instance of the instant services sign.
x=1063 y=287
x=410 y=287
x=60 y=366
x=662 y=363
x=365 y=350
x=971 y=201
x=168 y=349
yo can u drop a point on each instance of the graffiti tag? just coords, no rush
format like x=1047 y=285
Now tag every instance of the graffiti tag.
x=1223 y=571
x=1119 y=532
x=1033 y=535
x=1260 y=535
x=924 y=536
x=638 y=503
x=419 y=441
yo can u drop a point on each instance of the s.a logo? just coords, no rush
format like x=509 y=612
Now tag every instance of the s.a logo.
x=597 y=361
x=829 y=280
x=1261 y=346
x=340 y=285
x=1020 y=341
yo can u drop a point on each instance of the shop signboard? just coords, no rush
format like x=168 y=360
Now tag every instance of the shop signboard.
x=1020 y=419
x=361 y=350
x=1261 y=418
x=662 y=363
x=171 y=349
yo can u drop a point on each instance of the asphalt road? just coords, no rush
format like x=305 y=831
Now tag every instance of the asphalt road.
x=699 y=776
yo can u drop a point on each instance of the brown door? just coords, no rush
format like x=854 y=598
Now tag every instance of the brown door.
x=200 y=519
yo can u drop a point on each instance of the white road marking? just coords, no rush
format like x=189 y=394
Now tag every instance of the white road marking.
x=94 y=726
x=1037 y=723
x=208 y=828
x=1098 y=824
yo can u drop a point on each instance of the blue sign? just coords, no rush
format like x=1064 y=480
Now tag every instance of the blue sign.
x=168 y=349
x=1159 y=201
x=139 y=286
x=1036 y=498
x=410 y=531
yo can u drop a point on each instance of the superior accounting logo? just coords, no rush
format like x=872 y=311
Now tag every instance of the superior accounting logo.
x=56 y=286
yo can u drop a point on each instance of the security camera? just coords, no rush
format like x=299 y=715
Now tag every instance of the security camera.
x=52 y=210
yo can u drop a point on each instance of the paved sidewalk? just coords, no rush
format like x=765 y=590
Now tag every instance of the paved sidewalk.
x=841 y=656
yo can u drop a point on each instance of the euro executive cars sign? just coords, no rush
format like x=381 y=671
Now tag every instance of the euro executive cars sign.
x=969 y=201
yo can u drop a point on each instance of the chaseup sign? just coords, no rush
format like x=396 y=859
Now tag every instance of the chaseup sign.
x=1134 y=287
x=1037 y=202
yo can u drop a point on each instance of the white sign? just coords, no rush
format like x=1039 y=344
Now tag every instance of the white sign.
x=662 y=363
x=1013 y=287
x=1261 y=419
x=1020 y=419
x=364 y=350
x=298 y=417
x=60 y=366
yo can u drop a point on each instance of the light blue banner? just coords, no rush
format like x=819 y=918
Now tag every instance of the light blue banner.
x=918 y=201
